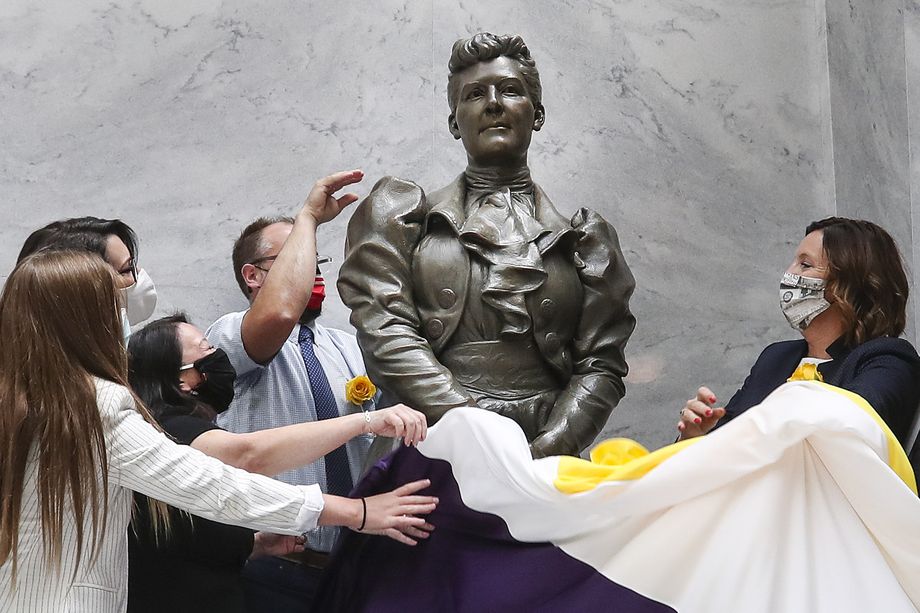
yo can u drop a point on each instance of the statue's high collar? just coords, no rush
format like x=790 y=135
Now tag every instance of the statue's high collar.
x=492 y=179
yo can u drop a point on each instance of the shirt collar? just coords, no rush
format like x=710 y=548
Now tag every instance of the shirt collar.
x=839 y=348
x=294 y=336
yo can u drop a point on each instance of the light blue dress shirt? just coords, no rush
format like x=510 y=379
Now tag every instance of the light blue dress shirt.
x=278 y=394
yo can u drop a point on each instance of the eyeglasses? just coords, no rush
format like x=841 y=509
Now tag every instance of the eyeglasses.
x=204 y=346
x=131 y=270
x=320 y=259
x=257 y=261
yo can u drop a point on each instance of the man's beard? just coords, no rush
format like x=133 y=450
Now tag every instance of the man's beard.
x=309 y=315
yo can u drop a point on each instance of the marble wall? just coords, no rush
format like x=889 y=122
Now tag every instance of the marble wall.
x=869 y=115
x=912 y=82
x=706 y=131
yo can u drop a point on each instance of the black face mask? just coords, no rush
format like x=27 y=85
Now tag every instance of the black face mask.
x=217 y=388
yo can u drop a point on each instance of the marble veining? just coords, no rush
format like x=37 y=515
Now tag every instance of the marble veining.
x=700 y=129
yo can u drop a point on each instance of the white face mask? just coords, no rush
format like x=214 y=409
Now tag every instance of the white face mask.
x=125 y=326
x=801 y=299
x=140 y=298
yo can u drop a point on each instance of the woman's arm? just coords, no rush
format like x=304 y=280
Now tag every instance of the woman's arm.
x=273 y=451
x=144 y=460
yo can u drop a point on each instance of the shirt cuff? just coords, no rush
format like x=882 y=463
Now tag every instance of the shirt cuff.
x=313 y=504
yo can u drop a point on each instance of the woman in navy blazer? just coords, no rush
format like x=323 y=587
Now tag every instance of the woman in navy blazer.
x=846 y=291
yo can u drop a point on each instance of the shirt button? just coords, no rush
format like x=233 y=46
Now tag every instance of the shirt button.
x=552 y=342
x=447 y=298
x=548 y=307
x=435 y=328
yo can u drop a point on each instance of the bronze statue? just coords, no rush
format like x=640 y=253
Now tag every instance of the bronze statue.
x=481 y=293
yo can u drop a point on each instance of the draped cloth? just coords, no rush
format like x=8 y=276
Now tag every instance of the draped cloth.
x=803 y=503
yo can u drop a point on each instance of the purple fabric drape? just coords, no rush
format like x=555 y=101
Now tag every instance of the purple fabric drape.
x=470 y=564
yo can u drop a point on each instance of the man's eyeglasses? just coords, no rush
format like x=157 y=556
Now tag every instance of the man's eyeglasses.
x=257 y=261
x=131 y=270
x=320 y=259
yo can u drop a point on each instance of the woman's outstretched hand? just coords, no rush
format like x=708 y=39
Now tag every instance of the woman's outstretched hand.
x=399 y=421
x=394 y=514
x=699 y=416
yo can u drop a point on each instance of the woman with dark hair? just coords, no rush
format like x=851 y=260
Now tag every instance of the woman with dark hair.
x=185 y=382
x=846 y=292
x=116 y=243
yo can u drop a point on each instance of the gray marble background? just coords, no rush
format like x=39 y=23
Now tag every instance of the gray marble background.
x=708 y=132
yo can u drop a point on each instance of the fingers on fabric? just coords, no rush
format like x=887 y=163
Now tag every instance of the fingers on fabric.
x=396 y=535
x=688 y=429
x=697 y=418
x=399 y=426
x=418 y=532
x=399 y=507
x=705 y=395
x=694 y=411
x=409 y=532
x=412 y=487
x=388 y=423
x=416 y=425
x=424 y=506
x=690 y=420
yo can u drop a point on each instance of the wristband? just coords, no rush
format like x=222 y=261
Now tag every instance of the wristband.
x=363 y=515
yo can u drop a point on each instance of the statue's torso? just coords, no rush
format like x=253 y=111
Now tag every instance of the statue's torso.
x=462 y=328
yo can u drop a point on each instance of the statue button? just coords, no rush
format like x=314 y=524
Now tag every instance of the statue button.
x=447 y=298
x=435 y=328
x=548 y=307
x=552 y=341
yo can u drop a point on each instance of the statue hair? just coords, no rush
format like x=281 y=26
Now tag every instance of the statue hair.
x=484 y=47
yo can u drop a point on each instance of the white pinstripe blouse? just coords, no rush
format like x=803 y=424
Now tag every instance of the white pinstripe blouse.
x=144 y=460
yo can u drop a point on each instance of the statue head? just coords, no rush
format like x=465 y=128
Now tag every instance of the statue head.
x=495 y=98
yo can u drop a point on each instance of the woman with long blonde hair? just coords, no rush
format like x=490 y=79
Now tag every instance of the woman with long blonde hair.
x=74 y=444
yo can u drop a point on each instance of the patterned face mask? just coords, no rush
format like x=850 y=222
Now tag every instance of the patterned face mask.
x=801 y=299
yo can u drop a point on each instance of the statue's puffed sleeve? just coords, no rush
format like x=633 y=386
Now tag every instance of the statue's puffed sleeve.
x=596 y=386
x=375 y=282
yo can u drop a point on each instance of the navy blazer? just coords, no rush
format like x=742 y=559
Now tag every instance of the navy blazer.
x=885 y=371
x=915 y=456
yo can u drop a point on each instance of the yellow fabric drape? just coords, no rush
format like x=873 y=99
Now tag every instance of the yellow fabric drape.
x=622 y=459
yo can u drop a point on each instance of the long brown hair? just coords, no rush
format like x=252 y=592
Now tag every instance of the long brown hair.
x=867 y=278
x=60 y=325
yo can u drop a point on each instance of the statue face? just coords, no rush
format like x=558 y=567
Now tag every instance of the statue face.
x=495 y=116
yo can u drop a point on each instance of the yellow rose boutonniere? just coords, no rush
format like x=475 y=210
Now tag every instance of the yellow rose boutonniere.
x=359 y=390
